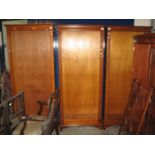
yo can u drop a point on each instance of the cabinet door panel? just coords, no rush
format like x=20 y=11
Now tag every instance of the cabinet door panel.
x=80 y=71
x=152 y=69
x=31 y=59
x=141 y=63
x=118 y=74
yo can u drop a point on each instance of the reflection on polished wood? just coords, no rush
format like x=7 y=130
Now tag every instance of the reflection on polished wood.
x=80 y=58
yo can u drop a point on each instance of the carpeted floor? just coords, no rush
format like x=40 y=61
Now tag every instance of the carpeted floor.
x=34 y=128
x=112 y=130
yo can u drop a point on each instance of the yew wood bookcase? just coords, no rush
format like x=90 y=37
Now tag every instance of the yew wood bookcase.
x=119 y=60
x=81 y=73
x=81 y=69
x=30 y=49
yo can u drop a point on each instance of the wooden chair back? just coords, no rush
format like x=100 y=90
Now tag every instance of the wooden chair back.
x=135 y=113
x=18 y=116
x=53 y=120
x=135 y=88
x=1 y=119
x=6 y=86
x=14 y=110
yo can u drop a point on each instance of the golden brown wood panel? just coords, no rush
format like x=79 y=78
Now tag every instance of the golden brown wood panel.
x=80 y=71
x=32 y=66
x=119 y=71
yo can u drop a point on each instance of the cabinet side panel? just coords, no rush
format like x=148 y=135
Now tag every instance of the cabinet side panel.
x=141 y=63
x=152 y=68
x=80 y=56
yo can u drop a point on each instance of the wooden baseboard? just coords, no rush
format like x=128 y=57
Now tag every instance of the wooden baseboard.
x=80 y=122
x=113 y=119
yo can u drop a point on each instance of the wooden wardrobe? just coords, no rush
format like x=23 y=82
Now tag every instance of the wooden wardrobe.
x=30 y=49
x=80 y=76
x=119 y=60
x=144 y=59
x=144 y=71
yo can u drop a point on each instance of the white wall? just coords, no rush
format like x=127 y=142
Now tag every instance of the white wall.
x=142 y=22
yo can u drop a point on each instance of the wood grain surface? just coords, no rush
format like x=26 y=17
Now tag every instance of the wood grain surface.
x=32 y=64
x=80 y=76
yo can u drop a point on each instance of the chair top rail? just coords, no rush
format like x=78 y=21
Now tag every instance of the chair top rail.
x=13 y=97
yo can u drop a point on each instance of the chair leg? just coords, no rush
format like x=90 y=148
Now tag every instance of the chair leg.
x=120 y=129
x=23 y=128
x=57 y=130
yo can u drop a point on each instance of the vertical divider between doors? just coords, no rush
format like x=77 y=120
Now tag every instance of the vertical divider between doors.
x=60 y=76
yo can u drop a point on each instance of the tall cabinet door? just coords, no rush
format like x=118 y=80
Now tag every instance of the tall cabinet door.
x=141 y=63
x=152 y=67
x=144 y=64
x=119 y=70
x=30 y=49
x=81 y=60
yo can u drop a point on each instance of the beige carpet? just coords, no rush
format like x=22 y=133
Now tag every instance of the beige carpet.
x=88 y=130
x=34 y=128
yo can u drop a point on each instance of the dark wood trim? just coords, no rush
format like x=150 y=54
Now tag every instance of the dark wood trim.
x=144 y=39
x=102 y=46
x=130 y=28
x=150 y=58
x=80 y=27
x=151 y=35
x=107 y=78
x=60 y=77
x=153 y=45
